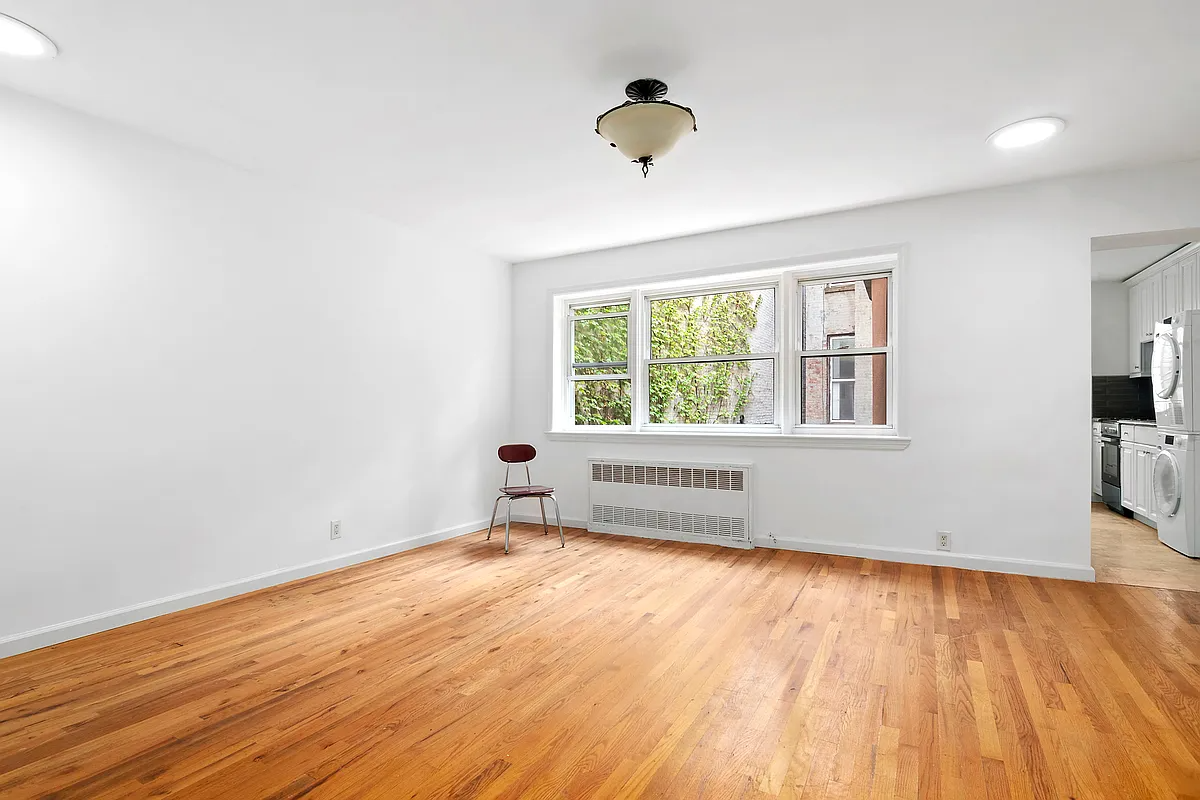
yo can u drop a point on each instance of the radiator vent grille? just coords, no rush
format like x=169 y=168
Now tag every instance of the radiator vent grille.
x=730 y=528
x=729 y=480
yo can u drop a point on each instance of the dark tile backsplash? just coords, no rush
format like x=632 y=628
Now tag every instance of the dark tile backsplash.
x=1122 y=397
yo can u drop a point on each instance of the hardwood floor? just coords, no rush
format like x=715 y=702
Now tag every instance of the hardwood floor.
x=1126 y=551
x=623 y=668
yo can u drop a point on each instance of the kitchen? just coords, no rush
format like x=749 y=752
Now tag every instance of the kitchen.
x=1143 y=520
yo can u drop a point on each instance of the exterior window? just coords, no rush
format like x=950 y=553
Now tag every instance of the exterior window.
x=789 y=351
x=600 y=364
x=851 y=317
x=841 y=381
x=712 y=359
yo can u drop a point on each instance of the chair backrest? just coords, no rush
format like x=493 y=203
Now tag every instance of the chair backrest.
x=516 y=453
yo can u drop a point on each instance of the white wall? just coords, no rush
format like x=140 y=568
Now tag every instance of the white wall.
x=1110 y=328
x=995 y=390
x=199 y=371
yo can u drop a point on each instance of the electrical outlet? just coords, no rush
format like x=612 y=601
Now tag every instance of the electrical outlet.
x=335 y=529
x=943 y=540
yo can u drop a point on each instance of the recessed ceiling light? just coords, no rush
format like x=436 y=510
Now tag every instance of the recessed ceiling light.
x=20 y=40
x=1026 y=132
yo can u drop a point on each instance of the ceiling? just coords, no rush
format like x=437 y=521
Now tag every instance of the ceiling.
x=1117 y=265
x=474 y=118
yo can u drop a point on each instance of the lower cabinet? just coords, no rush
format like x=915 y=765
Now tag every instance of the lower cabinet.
x=1142 y=473
x=1137 y=479
x=1097 y=467
x=1128 y=475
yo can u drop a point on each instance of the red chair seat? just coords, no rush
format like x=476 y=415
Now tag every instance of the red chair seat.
x=528 y=491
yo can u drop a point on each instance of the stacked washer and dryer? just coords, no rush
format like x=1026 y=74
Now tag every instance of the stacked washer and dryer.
x=1175 y=373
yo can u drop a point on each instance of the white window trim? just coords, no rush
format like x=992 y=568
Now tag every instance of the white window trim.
x=786 y=279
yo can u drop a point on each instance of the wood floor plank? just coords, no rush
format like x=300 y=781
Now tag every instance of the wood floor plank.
x=622 y=668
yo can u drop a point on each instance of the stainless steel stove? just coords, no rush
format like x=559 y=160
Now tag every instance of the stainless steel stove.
x=1110 y=463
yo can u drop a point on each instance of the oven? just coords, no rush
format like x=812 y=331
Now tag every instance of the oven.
x=1110 y=465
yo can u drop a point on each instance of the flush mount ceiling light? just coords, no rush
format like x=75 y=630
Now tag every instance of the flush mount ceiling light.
x=1026 y=132
x=21 y=40
x=646 y=126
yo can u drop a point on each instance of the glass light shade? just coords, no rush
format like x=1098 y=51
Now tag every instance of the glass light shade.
x=1026 y=132
x=646 y=129
x=22 y=41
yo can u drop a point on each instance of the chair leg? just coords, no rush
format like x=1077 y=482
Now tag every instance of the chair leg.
x=495 y=508
x=545 y=527
x=507 y=523
x=558 y=519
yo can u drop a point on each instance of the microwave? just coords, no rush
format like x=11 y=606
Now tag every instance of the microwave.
x=1145 y=358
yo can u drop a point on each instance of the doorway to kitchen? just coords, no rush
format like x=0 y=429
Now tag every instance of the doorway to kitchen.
x=1145 y=491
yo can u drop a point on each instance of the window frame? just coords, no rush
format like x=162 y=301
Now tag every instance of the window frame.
x=787 y=280
x=570 y=378
x=887 y=351
x=644 y=363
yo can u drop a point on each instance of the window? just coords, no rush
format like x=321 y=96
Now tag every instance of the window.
x=600 y=364
x=794 y=351
x=712 y=358
x=841 y=381
x=851 y=318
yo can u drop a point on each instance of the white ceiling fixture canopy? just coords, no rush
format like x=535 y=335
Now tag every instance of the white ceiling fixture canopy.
x=24 y=41
x=647 y=124
x=1027 y=132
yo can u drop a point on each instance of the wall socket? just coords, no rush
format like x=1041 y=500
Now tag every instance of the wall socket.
x=335 y=529
x=943 y=540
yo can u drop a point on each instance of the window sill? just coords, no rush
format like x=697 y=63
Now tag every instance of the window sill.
x=822 y=441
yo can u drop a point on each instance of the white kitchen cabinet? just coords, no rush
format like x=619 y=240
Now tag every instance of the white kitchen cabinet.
x=1172 y=298
x=1142 y=485
x=1128 y=476
x=1139 y=448
x=1164 y=289
x=1135 y=330
x=1097 y=467
x=1189 y=282
x=1153 y=304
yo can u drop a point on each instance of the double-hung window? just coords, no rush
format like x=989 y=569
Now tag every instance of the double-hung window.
x=711 y=358
x=844 y=340
x=600 y=382
x=797 y=352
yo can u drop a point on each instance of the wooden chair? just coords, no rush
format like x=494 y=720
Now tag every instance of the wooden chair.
x=522 y=454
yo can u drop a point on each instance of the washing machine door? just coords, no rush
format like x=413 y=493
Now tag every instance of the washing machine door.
x=1168 y=484
x=1164 y=365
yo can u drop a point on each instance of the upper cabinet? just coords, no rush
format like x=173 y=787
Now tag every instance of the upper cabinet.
x=1189 y=281
x=1161 y=290
x=1135 y=330
x=1172 y=298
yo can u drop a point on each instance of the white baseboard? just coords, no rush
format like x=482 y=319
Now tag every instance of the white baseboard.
x=937 y=558
x=83 y=626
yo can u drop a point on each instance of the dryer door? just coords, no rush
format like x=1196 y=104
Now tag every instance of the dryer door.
x=1168 y=484
x=1164 y=365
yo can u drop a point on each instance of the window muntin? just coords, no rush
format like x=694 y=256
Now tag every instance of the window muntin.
x=769 y=363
